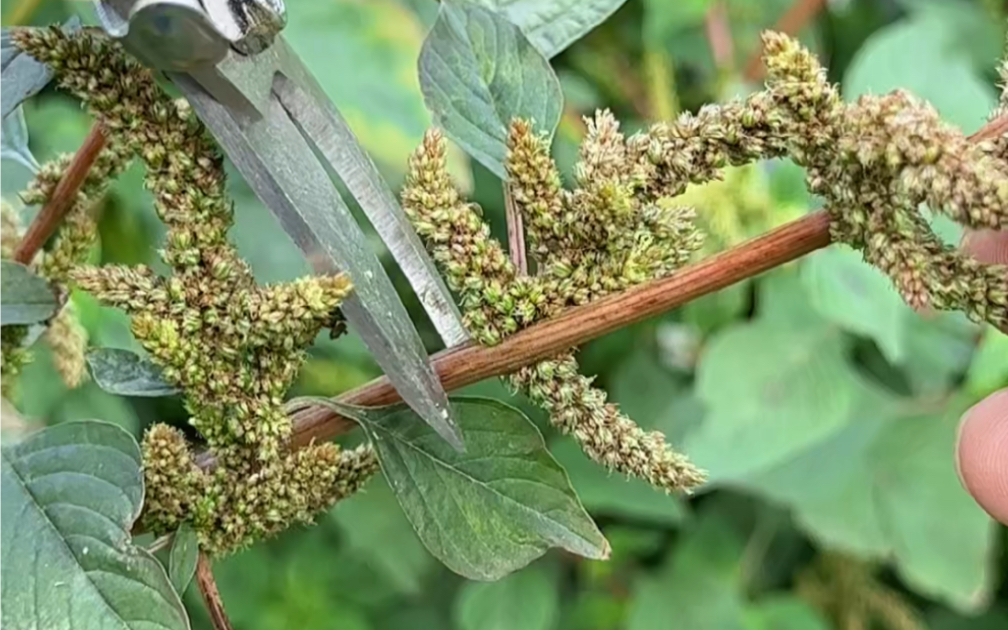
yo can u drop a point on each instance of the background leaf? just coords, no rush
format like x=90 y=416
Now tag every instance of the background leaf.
x=477 y=72
x=490 y=510
x=126 y=373
x=182 y=557
x=769 y=392
x=27 y=298
x=527 y=600
x=74 y=491
x=553 y=25
x=14 y=141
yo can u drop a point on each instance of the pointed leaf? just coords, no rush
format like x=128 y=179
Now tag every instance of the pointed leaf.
x=26 y=298
x=14 y=141
x=126 y=373
x=477 y=72
x=182 y=557
x=70 y=496
x=553 y=25
x=490 y=510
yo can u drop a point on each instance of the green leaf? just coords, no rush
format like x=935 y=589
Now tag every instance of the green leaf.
x=369 y=521
x=490 y=510
x=770 y=392
x=183 y=557
x=14 y=141
x=988 y=371
x=126 y=373
x=553 y=25
x=27 y=298
x=846 y=290
x=698 y=588
x=611 y=494
x=915 y=54
x=71 y=494
x=525 y=600
x=874 y=490
x=783 y=612
x=478 y=72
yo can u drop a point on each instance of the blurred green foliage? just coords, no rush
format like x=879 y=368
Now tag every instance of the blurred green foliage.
x=824 y=408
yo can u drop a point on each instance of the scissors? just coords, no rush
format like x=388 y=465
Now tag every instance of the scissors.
x=284 y=136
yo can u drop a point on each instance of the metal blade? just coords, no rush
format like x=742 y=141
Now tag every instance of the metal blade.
x=324 y=126
x=277 y=72
x=280 y=167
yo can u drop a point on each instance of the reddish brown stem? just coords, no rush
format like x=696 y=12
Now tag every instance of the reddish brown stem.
x=720 y=37
x=794 y=19
x=465 y=365
x=211 y=596
x=63 y=197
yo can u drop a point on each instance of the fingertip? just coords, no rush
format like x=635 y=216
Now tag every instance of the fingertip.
x=986 y=246
x=982 y=454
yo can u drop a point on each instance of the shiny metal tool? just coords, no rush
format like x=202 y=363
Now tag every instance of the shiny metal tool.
x=281 y=131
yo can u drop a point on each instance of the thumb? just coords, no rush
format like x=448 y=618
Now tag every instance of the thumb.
x=982 y=454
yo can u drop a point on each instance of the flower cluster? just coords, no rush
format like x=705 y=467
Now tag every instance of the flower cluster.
x=232 y=346
x=598 y=239
x=875 y=162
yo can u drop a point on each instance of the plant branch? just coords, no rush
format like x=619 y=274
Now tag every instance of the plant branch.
x=63 y=197
x=211 y=596
x=468 y=364
x=797 y=16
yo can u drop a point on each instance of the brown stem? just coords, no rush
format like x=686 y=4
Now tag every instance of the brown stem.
x=797 y=16
x=63 y=197
x=211 y=596
x=994 y=129
x=515 y=232
x=720 y=37
x=468 y=364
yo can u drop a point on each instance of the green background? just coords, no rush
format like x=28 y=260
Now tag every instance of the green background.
x=824 y=408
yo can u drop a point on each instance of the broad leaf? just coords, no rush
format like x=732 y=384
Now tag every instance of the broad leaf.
x=988 y=372
x=126 y=373
x=553 y=25
x=699 y=587
x=182 y=558
x=478 y=72
x=846 y=290
x=14 y=141
x=526 y=600
x=783 y=612
x=368 y=520
x=915 y=54
x=490 y=510
x=26 y=298
x=70 y=496
x=875 y=489
x=770 y=392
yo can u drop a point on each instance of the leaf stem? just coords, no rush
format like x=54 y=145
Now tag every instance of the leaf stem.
x=211 y=596
x=719 y=36
x=52 y=214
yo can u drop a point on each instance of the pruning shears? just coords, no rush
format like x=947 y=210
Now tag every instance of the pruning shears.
x=283 y=135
